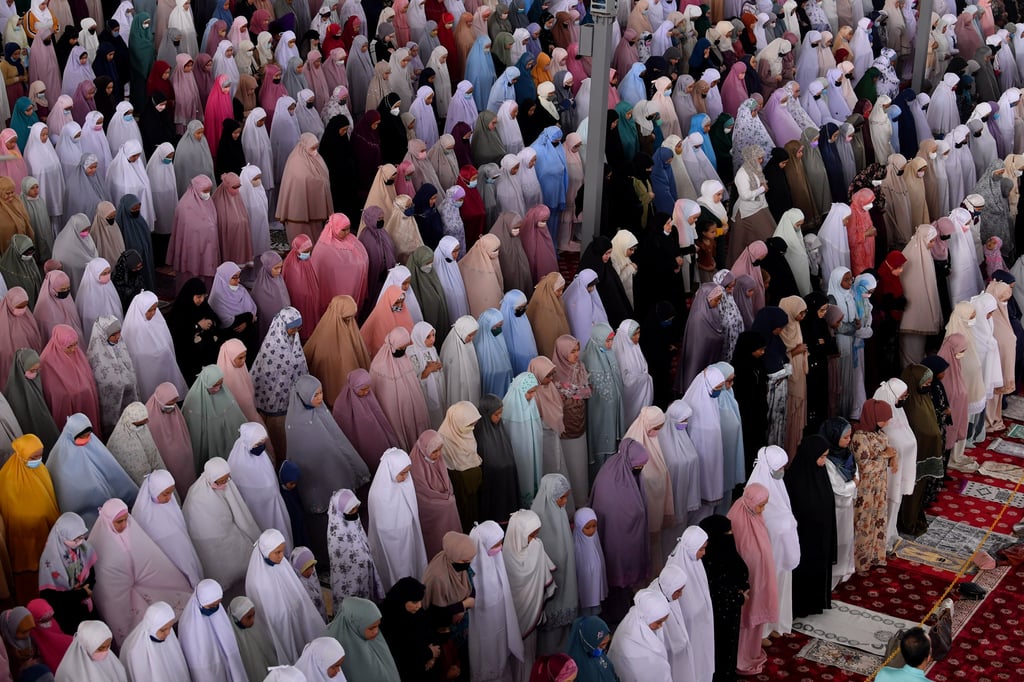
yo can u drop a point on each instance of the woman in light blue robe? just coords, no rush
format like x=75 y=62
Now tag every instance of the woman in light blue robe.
x=733 y=464
x=521 y=418
x=552 y=174
x=480 y=71
x=492 y=353
x=517 y=331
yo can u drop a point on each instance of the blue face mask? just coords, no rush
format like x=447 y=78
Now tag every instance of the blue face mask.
x=716 y=392
x=258 y=450
x=305 y=255
x=666 y=323
x=128 y=117
x=34 y=463
x=490 y=181
x=168 y=160
x=208 y=612
x=681 y=426
x=411 y=211
x=472 y=184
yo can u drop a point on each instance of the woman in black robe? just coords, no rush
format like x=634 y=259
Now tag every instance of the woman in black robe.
x=923 y=422
x=659 y=267
x=659 y=343
x=428 y=218
x=157 y=126
x=408 y=634
x=778 y=197
x=499 y=491
x=337 y=151
x=597 y=257
x=814 y=508
x=394 y=143
x=195 y=330
x=750 y=388
x=833 y=164
x=230 y=156
x=366 y=147
x=614 y=154
x=128 y=277
x=821 y=345
x=105 y=103
x=782 y=283
x=728 y=582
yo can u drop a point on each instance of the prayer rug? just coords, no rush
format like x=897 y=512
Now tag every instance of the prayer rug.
x=853 y=626
x=1005 y=447
x=1001 y=470
x=991 y=493
x=930 y=556
x=960 y=539
x=839 y=656
x=1014 y=408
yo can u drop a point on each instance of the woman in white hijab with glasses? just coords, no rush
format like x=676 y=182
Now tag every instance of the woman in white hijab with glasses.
x=152 y=651
x=274 y=587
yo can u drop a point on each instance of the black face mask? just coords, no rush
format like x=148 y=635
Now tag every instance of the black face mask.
x=901 y=403
x=400 y=353
x=351 y=517
x=520 y=312
x=380 y=224
x=63 y=294
x=134 y=212
x=461 y=567
x=389 y=182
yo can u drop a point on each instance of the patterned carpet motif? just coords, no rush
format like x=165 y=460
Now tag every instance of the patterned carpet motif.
x=853 y=626
x=991 y=493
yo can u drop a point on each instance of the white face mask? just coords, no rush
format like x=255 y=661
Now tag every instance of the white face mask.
x=396 y=111
x=933 y=155
x=867 y=207
x=971 y=323
x=205 y=196
x=233 y=287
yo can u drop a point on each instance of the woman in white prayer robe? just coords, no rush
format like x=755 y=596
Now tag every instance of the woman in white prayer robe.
x=158 y=513
x=274 y=587
x=207 y=639
x=494 y=639
x=638 y=648
x=778 y=517
x=671 y=582
x=253 y=474
x=396 y=541
x=321 y=660
x=152 y=651
x=220 y=524
x=89 y=658
x=695 y=601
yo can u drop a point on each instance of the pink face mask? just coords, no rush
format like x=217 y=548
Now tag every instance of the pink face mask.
x=31 y=374
x=104 y=278
x=494 y=551
x=100 y=655
x=218 y=486
x=18 y=312
x=83 y=234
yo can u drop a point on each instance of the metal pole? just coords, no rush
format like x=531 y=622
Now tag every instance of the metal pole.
x=593 y=178
x=924 y=36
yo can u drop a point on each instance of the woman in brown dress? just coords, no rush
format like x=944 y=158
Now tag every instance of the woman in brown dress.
x=871 y=449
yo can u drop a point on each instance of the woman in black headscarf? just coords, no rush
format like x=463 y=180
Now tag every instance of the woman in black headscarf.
x=613 y=152
x=821 y=345
x=777 y=195
x=128 y=277
x=428 y=218
x=155 y=125
x=137 y=236
x=407 y=628
x=827 y=136
x=533 y=118
x=195 y=329
x=750 y=387
x=783 y=283
x=907 y=127
x=659 y=270
x=394 y=143
x=68 y=39
x=499 y=492
x=597 y=257
x=813 y=506
x=103 y=99
x=230 y=155
x=728 y=582
x=337 y=151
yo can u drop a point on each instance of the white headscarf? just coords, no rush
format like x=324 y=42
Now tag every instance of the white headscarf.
x=281 y=598
x=165 y=524
x=796 y=253
x=835 y=244
x=94 y=141
x=256 y=480
x=396 y=541
x=674 y=633
x=398 y=276
x=256 y=145
x=528 y=568
x=778 y=515
x=637 y=651
x=447 y=270
x=495 y=632
x=318 y=656
x=161 y=661
x=901 y=438
x=705 y=430
x=637 y=384
x=681 y=459
x=208 y=641
x=257 y=206
x=461 y=365
x=122 y=127
x=78 y=664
